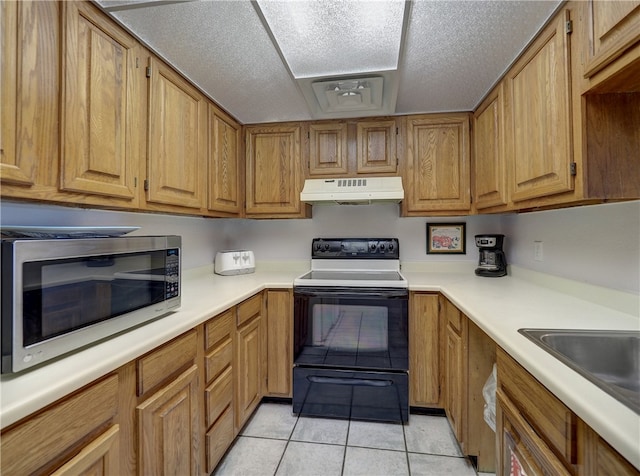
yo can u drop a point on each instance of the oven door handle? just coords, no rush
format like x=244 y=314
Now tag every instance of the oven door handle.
x=387 y=293
x=354 y=382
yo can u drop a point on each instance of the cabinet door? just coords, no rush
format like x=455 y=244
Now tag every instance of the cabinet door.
x=540 y=116
x=437 y=173
x=177 y=140
x=519 y=445
x=376 y=147
x=489 y=164
x=100 y=457
x=29 y=84
x=99 y=105
x=328 y=148
x=224 y=163
x=456 y=369
x=274 y=171
x=249 y=356
x=169 y=428
x=279 y=342
x=424 y=351
x=614 y=25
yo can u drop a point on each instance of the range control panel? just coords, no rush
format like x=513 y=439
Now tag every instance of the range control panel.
x=355 y=248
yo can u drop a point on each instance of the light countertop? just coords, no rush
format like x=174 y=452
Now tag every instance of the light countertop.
x=499 y=306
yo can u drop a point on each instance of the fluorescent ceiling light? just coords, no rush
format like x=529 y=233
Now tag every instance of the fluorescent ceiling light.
x=334 y=37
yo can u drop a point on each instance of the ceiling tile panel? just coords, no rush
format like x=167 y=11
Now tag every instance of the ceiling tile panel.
x=453 y=53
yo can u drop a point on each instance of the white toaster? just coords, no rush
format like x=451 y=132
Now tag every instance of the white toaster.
x=230 y=262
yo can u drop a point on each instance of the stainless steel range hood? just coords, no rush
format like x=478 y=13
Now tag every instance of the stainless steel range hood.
x=353 y=191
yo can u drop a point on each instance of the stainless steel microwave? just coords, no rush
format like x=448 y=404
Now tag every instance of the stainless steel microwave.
x=59 y=295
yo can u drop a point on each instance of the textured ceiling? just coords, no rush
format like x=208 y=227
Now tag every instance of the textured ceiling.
x=453 y=51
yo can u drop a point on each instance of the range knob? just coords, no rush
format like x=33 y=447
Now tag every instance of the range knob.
x=381 y=246
x=372 y=246
x=326 y=246
x=391 y=246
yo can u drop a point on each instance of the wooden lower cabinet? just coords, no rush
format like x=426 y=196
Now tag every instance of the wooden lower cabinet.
x=177 y=409
x=279 y=342
x=168 y=411
x=249 y=359
x=168 y=431
x=543 y=434
x=479 y=438
x=219 y=427
x=71 y=436
x=425 y=375
x=450 y=359
x=596 y=456
x=455 y=369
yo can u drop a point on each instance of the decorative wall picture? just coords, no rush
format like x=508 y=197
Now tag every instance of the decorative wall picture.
x=446 y=238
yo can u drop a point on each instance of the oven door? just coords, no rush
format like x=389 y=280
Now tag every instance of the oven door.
x=351 y=353
x=351 y=328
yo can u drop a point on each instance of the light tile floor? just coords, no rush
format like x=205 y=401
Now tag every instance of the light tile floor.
x=277 y=443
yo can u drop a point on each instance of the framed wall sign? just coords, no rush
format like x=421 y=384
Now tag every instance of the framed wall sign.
x=446 y=238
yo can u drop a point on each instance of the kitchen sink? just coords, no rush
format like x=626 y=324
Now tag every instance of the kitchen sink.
x=609 y=359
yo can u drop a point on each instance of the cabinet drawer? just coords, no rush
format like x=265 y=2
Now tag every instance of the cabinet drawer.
x=547 y=415
x=161 y=365
x=249 y=308
x=218 y=395
x=218 y=439
x=218 y=359
x=50 y=434
x=218 y=328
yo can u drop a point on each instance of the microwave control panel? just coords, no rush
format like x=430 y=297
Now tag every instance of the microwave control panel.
x=172 y=280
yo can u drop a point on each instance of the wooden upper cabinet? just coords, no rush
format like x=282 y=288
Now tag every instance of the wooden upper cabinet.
x=225 y=139
x=177 y=139
x=376 y=147
x=29 y=84
x=437 y=175
x=613 y=26
x=274 y=175
x=328 y=148
x=539 y=116
x=99 y=113
x=490 y=169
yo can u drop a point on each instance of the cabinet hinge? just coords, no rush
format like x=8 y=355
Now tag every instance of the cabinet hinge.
x=148 y=71
x=574 y=168
x=146 y=185
x=568 y=26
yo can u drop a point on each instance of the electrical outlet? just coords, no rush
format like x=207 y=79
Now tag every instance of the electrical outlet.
x=538 y=252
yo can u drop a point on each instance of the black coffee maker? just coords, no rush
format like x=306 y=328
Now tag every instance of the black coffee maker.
x=492 y=260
